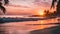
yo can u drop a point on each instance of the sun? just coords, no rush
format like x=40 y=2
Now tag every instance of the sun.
x=41 y=13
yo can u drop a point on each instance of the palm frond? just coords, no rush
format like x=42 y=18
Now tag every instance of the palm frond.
x=3 y=9
x=53 y=2
x=6 y=1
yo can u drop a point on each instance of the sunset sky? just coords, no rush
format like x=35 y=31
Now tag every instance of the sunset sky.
x=27 y=7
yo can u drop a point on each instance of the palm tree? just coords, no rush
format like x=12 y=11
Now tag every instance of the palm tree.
x=2 y=7
x=58 y=6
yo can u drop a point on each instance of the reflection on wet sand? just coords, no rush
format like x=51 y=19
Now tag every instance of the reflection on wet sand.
x=26 y=27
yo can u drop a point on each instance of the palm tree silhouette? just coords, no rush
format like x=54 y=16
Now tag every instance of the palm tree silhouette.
x=2 y=7
x=58 y=6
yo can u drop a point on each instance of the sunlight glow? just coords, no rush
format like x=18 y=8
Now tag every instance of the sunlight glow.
x=41 y=13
